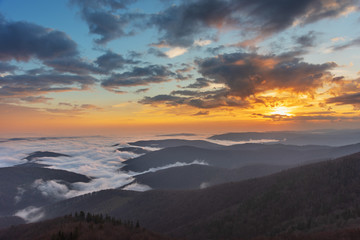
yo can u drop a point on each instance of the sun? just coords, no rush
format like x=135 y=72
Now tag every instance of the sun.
x=281 y=111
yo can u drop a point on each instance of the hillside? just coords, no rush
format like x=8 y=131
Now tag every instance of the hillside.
x=317 y=197
x=17 y=189
x=238 y=156
x=201 y=176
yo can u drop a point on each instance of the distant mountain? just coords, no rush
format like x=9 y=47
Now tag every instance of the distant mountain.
x=202 y=176
x=318 y=197
x=165 y=143
x=17 y=189
x=238 y=156
x=41 y=154
x=177 y=135
x=81 y=227
x=320 y=137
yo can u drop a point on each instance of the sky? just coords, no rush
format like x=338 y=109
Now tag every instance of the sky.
x=83 y=67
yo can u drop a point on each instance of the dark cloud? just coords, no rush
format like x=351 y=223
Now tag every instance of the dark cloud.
x=39 y=99
x=307 y=40
x=27 y=85
x=5 y=67
x=156 y=52
x=205 y=100
x=201 y=113
x=200 y=83
x=108 y=25
x=244 y=75
x=354 y=42
x=111 y=61
x=215 y=50
x=247 y=74
x=142 y=90
x=134 y=54
x=90 y=107
x=319 y=117
x=22 y=41
x=103 y=18
x=139 y=76
x=65 y=104
x=95 y=4
x=167 y=99
x=74 y=65
x=181 y=24
x=353 y=99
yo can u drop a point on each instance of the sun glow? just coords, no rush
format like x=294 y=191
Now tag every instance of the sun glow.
x=281 y=111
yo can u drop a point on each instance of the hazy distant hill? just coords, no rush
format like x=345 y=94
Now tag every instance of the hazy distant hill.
x=41 y=154
x=318 y=197
x=238 y=155
x=165 y=143
x=17 y=190
x=320 y=137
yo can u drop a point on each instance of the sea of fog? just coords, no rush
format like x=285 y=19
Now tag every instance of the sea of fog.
x=95 y=157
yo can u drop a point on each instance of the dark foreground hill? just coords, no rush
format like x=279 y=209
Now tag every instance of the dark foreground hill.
x=17 y=189
x=319 y=197
x=80 y=227
x=238 y=156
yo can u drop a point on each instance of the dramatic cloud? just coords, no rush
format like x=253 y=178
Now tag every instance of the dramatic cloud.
x=205 y=100
x=181 y=24
x=22 y=41
x=353 y=99
x=103 y=19
x=26 y=85
x=111 y=61
x=200 y=83
x=248 y=74
x=139 y=76
x=245 y=75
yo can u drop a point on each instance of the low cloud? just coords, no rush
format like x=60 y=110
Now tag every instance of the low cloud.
x=137 y=187
x=30 y=214
x=51 y=189
x=177 y=164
